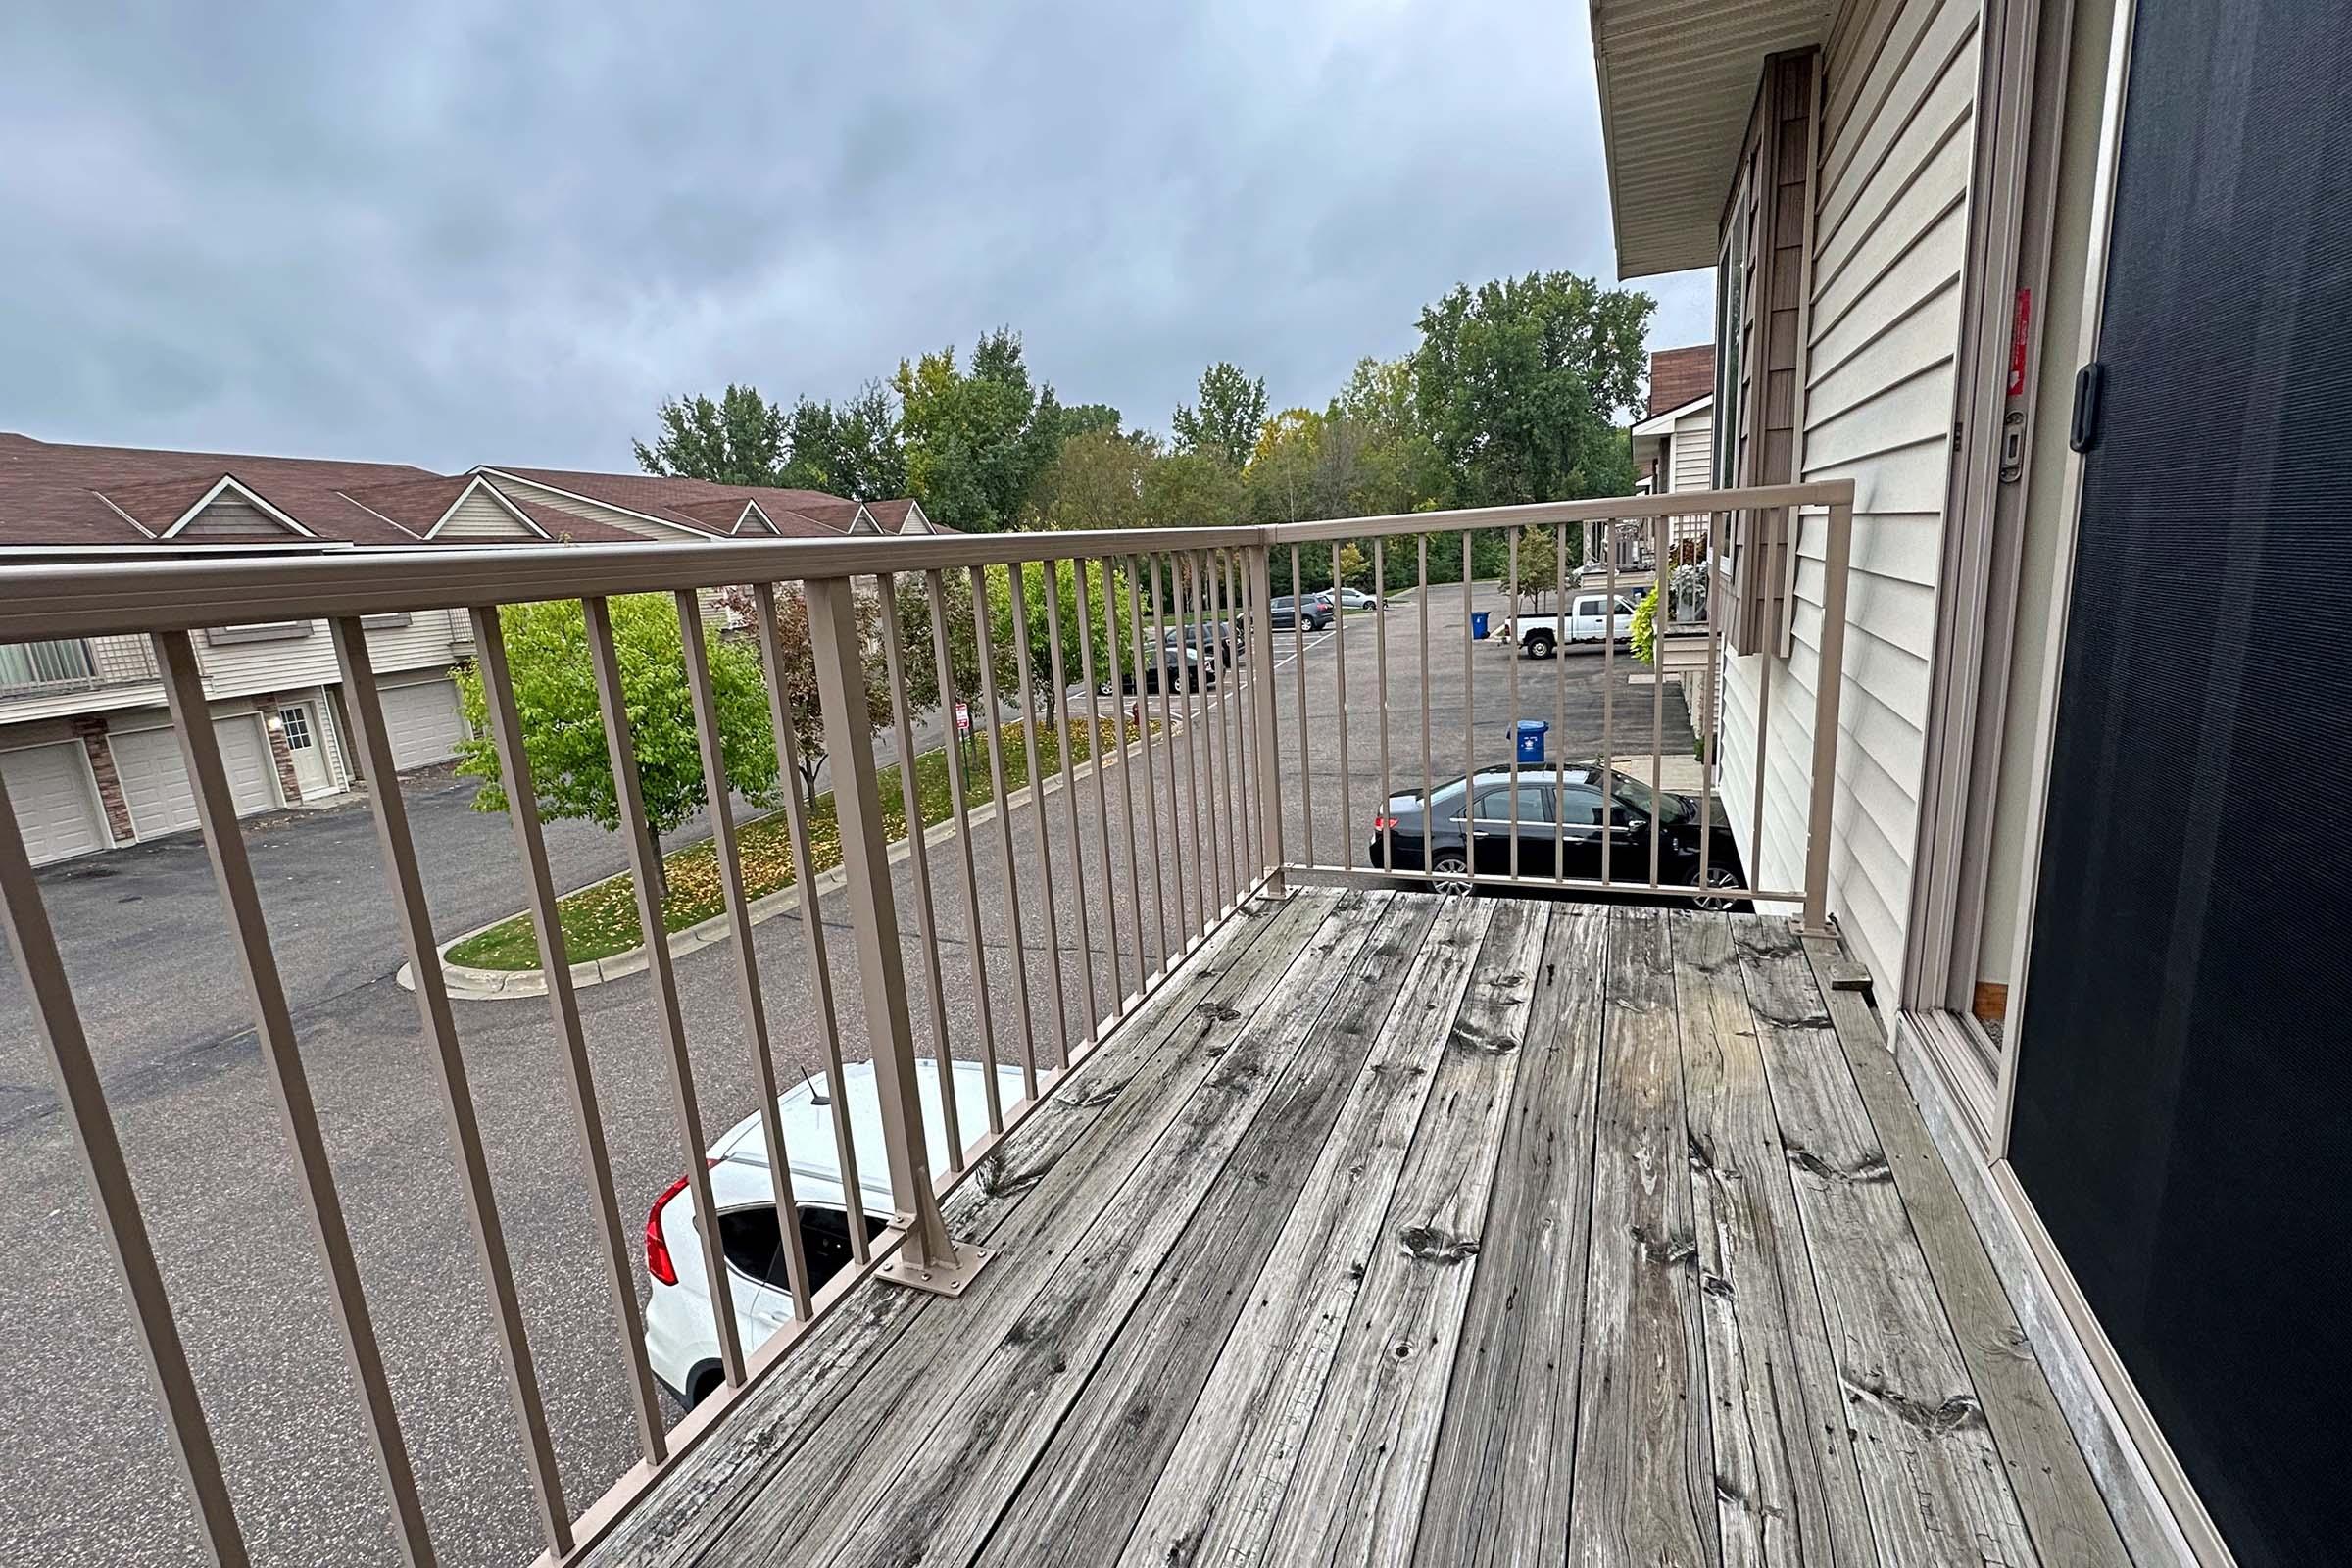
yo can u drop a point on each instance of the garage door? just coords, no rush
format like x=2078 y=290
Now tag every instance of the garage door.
x=154 y=781
x=57 y=811
x=423 y=722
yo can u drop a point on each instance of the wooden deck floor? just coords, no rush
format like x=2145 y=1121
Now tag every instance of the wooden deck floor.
x=1450 y=1232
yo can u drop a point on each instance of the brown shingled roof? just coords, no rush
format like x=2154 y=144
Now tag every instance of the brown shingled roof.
x=1681 y=375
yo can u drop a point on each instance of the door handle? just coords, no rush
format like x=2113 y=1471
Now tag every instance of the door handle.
x=2090 y=386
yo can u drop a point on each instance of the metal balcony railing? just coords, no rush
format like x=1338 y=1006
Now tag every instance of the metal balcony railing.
x=1244 y=776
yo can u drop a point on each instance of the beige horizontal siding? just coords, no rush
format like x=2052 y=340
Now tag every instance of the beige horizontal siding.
x=1891 y=237
x=479 y=516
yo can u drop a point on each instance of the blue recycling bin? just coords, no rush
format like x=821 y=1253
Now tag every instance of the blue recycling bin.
x=1478 y=624
x=1531 y=739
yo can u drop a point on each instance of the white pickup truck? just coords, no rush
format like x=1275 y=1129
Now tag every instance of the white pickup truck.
x=1587 y=620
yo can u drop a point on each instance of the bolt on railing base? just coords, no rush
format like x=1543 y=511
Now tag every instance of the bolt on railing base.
x=939 y=1279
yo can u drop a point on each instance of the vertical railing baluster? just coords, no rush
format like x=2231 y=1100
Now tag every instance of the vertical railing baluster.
x=1608 y=707
x=1511 y=592
x=1560 y=695
x=1186 y=915
x=1096 y=755
x=1380 y=650
x=1658 y=693
x=910 y=799
x=1711 y=695
x=406 y=884
x=748 y=998
x=1828 y=683
x=646 y=876
x=984 y=631
x=1770 y=642
x=1135 y=853
x=1037 y=807
x=1429 y=798
x=784 y=718
x=1070 y=795
x=1150 y=751
x=1238 y=771
x=1206 y=760
x=1264 y=719
x=523 y=813
x=1339 y=685
x=929 y=1258
x=58 y=1022
x=1205 y=877
x=1469 y=713
x=975 y=932
x=273 y=1028
x=1306 y=762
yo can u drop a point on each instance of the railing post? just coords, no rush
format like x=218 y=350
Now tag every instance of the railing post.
x=1829 y=680
x=1262 y=716
x=927 y=1259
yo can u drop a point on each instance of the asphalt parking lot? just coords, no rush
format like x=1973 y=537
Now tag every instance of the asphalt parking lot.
x=89 y=1477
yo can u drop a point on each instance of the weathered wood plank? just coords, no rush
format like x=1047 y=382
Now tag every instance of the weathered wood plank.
x=1215 y=1491
x=926 y=1420
x=2063 y=1508
x=1499 y=1488
x=1931 y=1473
x=1123 y=1093
x=1082 y=1497
x=1644 y=1487
x=1785 y=1489
x=1356 y=1496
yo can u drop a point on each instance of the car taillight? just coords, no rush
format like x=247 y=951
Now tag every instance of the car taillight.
x=1382 y=824
x=656 y=1246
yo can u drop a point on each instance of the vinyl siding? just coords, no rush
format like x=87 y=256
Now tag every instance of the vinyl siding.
x=1693 y=452
x=595 y=511
x=479 y=516
x=274 y=664
x=424 y=643
x=230 y=517
x=1891 y=240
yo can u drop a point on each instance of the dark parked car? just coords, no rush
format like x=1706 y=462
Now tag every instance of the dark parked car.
x=1283 y=613
x=1478 y=841
x=1221 y=634
x=1179 y=668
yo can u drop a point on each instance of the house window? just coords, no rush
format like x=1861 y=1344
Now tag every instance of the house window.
x=265 y=631
x=62 y=663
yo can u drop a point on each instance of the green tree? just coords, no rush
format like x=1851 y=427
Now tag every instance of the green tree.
x=1094 y=482
x=1225 y=419
x=1191 y=490
x=1539 y=566
x=1353 y=565
x=797 y=670
x=976 y=441
x=853 y=449
x=563 y=729
x=1520 y=385
x=739 y=439
x=1285 y=466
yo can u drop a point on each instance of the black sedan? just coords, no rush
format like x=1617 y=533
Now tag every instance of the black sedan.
x=1560 y=832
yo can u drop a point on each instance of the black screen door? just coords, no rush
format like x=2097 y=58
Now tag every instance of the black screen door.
x=2183 y=1112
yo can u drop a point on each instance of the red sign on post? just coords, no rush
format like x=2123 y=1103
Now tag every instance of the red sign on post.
x=2017 y=342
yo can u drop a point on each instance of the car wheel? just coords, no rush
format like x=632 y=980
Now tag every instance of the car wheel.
x=705 y=1382
x=1541 y=645
x=1449 y=875
x=1718 y=877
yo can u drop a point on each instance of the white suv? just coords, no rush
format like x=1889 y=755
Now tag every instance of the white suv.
x=681 y=1332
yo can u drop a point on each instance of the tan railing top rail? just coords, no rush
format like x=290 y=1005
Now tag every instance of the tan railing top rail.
x=92 y=598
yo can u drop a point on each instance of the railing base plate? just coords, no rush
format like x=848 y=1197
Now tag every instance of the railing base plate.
x=935 y=1279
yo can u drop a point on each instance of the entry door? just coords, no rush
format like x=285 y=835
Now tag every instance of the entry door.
x=2185 y=1054
x=306 y=743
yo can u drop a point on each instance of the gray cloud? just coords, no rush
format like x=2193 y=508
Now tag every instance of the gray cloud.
x=437 y=234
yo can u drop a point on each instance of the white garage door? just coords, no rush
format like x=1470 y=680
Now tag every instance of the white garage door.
x=154 y=781
x=56 y=810
x=423 y=722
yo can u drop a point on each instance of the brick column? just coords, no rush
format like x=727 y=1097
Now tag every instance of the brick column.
x=92 y=727
x=276 y=728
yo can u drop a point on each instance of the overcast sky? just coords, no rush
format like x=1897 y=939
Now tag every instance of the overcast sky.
x=458 y=233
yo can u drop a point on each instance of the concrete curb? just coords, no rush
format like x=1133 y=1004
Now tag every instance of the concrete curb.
x=471 y=984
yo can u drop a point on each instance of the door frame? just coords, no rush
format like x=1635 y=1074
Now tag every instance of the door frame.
x=2025 y=56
